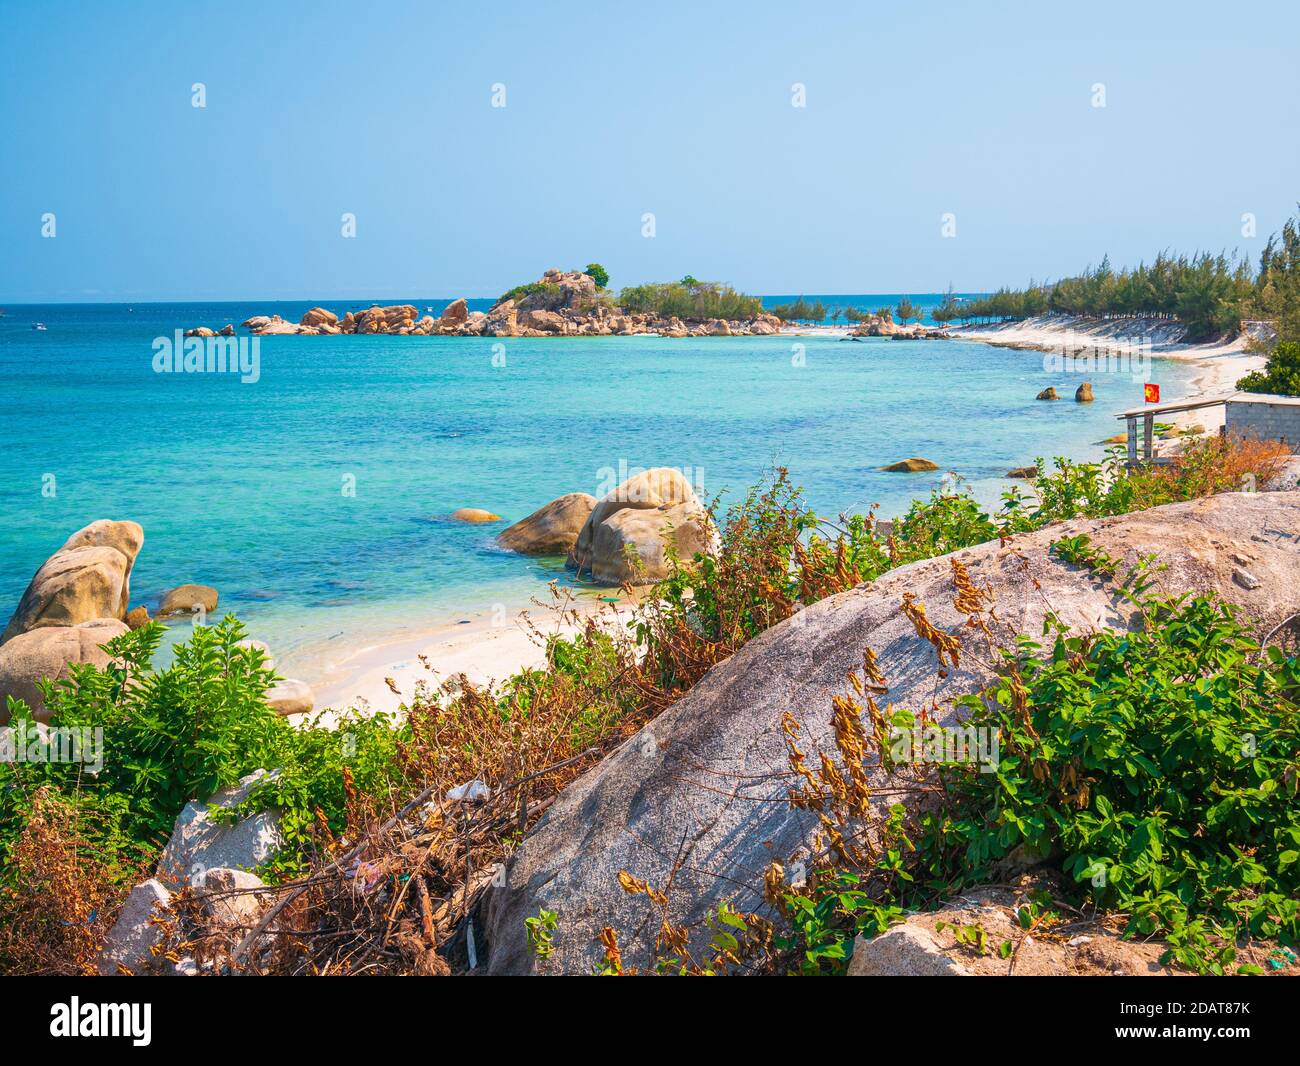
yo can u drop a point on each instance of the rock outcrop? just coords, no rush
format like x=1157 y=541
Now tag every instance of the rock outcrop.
x=559 y=304
x=1083 y=394
x=200 y=843
x=925 y=945
x=701 y=791
x=1048 y=393
x=86 y=579
x=46 y=653
x=673 y=516
x=552 y=529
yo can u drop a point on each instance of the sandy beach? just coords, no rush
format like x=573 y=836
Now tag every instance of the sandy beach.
x=1221 y=363
x=486 y=648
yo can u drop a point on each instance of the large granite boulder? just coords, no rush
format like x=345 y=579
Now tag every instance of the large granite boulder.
x=88 y=578
x=543 y=321
x=319 y=316
x=552 y=529
x=700 y=793
x=631 y=546
x=46 y=653
x=661 y=486
x=454 y=314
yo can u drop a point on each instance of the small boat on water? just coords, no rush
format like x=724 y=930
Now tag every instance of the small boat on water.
x=38 y=325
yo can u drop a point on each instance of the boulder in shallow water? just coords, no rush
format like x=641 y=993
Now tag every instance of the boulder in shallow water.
x=661 y=486
x=475 y=515
x=319 y=316
x=552 y=529
x=188 y=599
x=910 y=466
x=1023 y=472
x=88 y=578
x=631 y=546
x=46 y=653
x=1083 y=394
x=137 y=617
x=1048 y=393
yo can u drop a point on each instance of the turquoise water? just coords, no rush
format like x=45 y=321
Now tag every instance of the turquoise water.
x=241 y=486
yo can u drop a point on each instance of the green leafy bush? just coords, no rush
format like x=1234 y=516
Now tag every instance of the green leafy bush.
x=1281 y=374
x=1157 y=769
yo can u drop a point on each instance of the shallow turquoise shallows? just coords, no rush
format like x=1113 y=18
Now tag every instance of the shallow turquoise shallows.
x=246 y=486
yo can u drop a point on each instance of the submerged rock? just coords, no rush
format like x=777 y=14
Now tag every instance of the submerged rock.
x=475 y=515
x=910 y=466
x=1023 y=472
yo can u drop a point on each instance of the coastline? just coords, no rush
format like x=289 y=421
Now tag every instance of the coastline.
x=1222 y=362
x=489 y=649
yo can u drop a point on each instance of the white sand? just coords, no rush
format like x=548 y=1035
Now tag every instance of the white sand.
x=485 y=650
x=1221 y=363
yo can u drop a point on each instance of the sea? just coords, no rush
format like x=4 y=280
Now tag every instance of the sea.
x=315 y=495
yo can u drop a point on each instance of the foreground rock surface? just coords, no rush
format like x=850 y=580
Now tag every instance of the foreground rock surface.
x=199 y=843
x=703 y=788
x=924 y=946
x=127 y=947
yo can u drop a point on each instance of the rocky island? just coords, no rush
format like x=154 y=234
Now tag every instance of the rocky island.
x=559 y=304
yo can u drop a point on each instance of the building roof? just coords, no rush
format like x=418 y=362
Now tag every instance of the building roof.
x=1210 y=401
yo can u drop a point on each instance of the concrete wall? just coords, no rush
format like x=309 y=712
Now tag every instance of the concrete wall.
x=1267 y=421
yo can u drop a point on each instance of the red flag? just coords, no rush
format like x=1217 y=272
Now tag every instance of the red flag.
x=1151 y=392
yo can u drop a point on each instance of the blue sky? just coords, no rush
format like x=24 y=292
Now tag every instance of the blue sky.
x=614 y=110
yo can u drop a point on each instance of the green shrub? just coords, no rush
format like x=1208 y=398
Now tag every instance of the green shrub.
x=1156 y=769
x=1281 y=374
